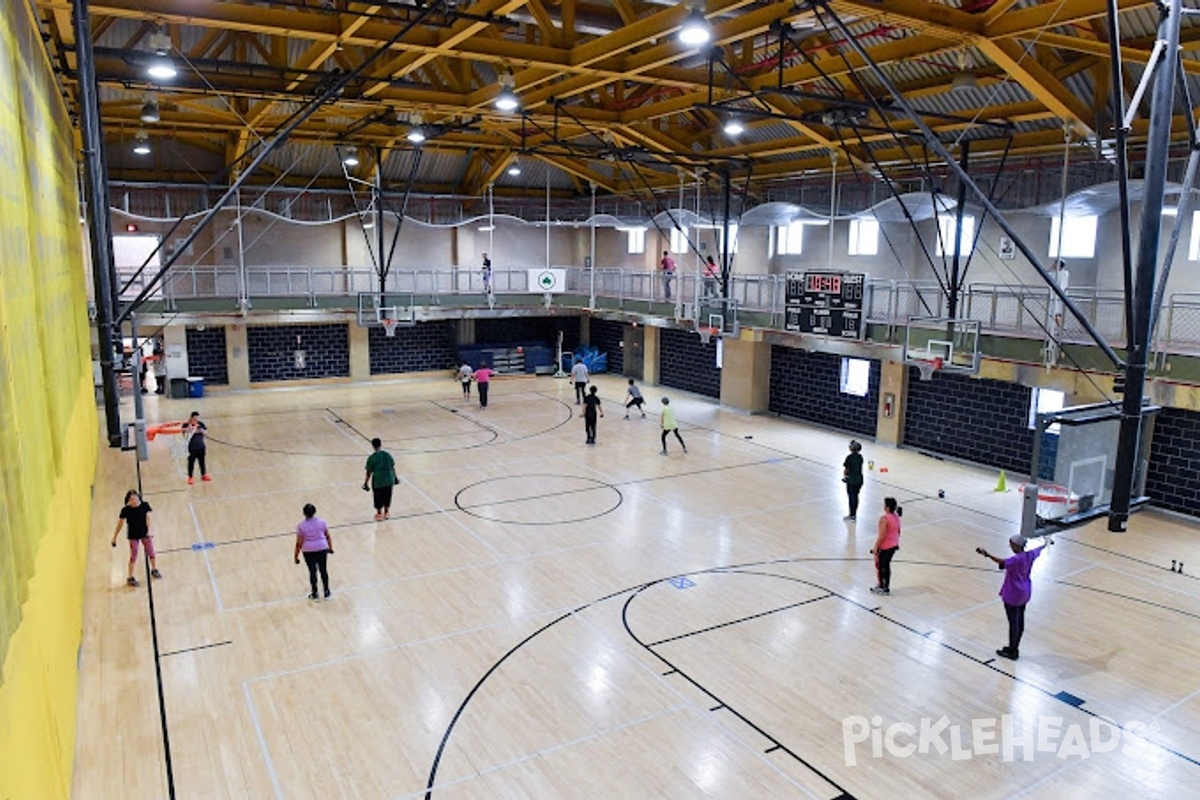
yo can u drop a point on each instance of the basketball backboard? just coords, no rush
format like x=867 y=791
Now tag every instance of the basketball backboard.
x=955 y=342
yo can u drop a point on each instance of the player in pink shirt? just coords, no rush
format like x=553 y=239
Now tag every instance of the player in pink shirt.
x=1016 y=590
x=314 y=541
x=483 y=378
x=886 y=545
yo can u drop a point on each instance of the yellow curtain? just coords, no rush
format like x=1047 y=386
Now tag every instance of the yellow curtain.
x=48 y=435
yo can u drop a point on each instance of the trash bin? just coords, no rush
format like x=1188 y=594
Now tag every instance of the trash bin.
x=179 y=388
x=195 y=387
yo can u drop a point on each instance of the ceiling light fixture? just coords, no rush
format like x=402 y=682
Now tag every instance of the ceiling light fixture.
x=734 y=127
x=141 y=143
x=507 y=100
x=351 y=157
x=514 y=170
x=416 y=134
x=150 y=112
x=964 y=79
x=161 y=67
x=696 y=30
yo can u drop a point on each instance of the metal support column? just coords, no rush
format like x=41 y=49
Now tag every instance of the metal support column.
x=100 y=227
x=952 y=287
x=726 y=261
x=1158 y=146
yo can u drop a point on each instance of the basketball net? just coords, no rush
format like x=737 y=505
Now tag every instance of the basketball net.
x=706 y=334
x=389 y=326
x=927 y=367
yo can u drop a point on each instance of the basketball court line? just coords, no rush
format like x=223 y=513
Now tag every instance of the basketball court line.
x=454 y=518
x=262 y=742
x=338 y=422
x=207 y=563
x=495 y=768
x=660 y=678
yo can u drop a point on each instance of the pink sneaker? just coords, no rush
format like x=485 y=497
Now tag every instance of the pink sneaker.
x=205 y=477
x=190 y=480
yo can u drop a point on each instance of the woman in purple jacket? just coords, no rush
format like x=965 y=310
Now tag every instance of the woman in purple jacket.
x=1016 y=590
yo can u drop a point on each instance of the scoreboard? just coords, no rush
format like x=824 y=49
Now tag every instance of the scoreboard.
x=825 y=303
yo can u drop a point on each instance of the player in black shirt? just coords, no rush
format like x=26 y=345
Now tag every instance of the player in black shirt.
x=137 y=514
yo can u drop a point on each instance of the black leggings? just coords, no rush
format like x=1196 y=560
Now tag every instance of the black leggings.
x=1016 y=625
x=883 y=560
x=589 y=427
x=852 y=490
x=580 y=391
x=383 y=497
x=316 y=561
x=466 y=388
x=483 y=387
x=193 y=457
x=677 y=436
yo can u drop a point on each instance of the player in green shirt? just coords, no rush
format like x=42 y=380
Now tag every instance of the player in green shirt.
x=669 y=424
x=381 y=476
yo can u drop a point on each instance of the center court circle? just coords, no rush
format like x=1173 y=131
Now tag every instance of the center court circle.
x=538 y=499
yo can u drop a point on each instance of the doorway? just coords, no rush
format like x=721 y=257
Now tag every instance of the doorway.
x=634 y=351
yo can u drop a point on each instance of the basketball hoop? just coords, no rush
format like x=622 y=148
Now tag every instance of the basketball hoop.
x=706 y=334
x=927 y=367
x=1055 y=501
x=389 y=326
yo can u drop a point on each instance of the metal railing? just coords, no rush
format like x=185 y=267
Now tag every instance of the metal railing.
x=1022 y=311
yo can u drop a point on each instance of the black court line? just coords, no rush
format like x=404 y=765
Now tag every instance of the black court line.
x=717 y=707
x=771 y=749
x=739 y=620
x=1130 y=598
x=674 y=670
x=197 y=647
x=822 y=464
x=162 y=702
x=776 y=744
x=247 y=539
x=1063 y=538
x=990 y=665
x=309 y=454
x=337 y=418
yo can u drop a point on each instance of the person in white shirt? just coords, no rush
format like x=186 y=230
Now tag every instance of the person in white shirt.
x=579 y=374
x=465 y=373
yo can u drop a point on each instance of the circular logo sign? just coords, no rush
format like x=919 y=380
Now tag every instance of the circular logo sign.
x=546 y=281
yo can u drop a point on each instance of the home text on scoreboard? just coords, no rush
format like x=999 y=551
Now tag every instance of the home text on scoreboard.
x=825 y=303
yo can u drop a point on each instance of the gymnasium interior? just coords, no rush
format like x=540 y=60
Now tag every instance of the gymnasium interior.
x=956 y=237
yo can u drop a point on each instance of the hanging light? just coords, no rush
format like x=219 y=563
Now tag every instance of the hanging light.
x=696 y=30
x=351 y=157
x=141 y=143
x=514 y=170
x=161 y=67
x=734 y=127
x=964 y=79
x=150 y=112
x=507 y=100
x=416 y=134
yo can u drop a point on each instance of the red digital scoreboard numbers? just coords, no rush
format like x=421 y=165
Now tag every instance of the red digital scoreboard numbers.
x=825 y=303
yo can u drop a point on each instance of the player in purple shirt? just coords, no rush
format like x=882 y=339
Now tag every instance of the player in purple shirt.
x=1016 y=590
x=314 y=541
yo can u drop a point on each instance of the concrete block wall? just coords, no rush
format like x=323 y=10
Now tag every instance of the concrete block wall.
x=1173 y=477
x=807 y=385
x=978 y=420
x=206 y=355
x=422 y=347
x=512 y=330
x=272 y=352
x=609 y=337
x=685 y=363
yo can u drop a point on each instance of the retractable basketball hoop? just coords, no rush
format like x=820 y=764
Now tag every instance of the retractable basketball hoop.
x=707 y=333
x=389 y=326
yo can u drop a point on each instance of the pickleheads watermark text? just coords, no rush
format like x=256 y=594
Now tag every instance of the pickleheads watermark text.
x=1007 y=737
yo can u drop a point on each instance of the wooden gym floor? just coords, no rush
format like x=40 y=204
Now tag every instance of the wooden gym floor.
x=543 y=619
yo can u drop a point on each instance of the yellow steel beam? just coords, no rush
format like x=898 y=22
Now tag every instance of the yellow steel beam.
x=1093 y=47
x=1028 y=21
x=572 y=168
x=1037 y=80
